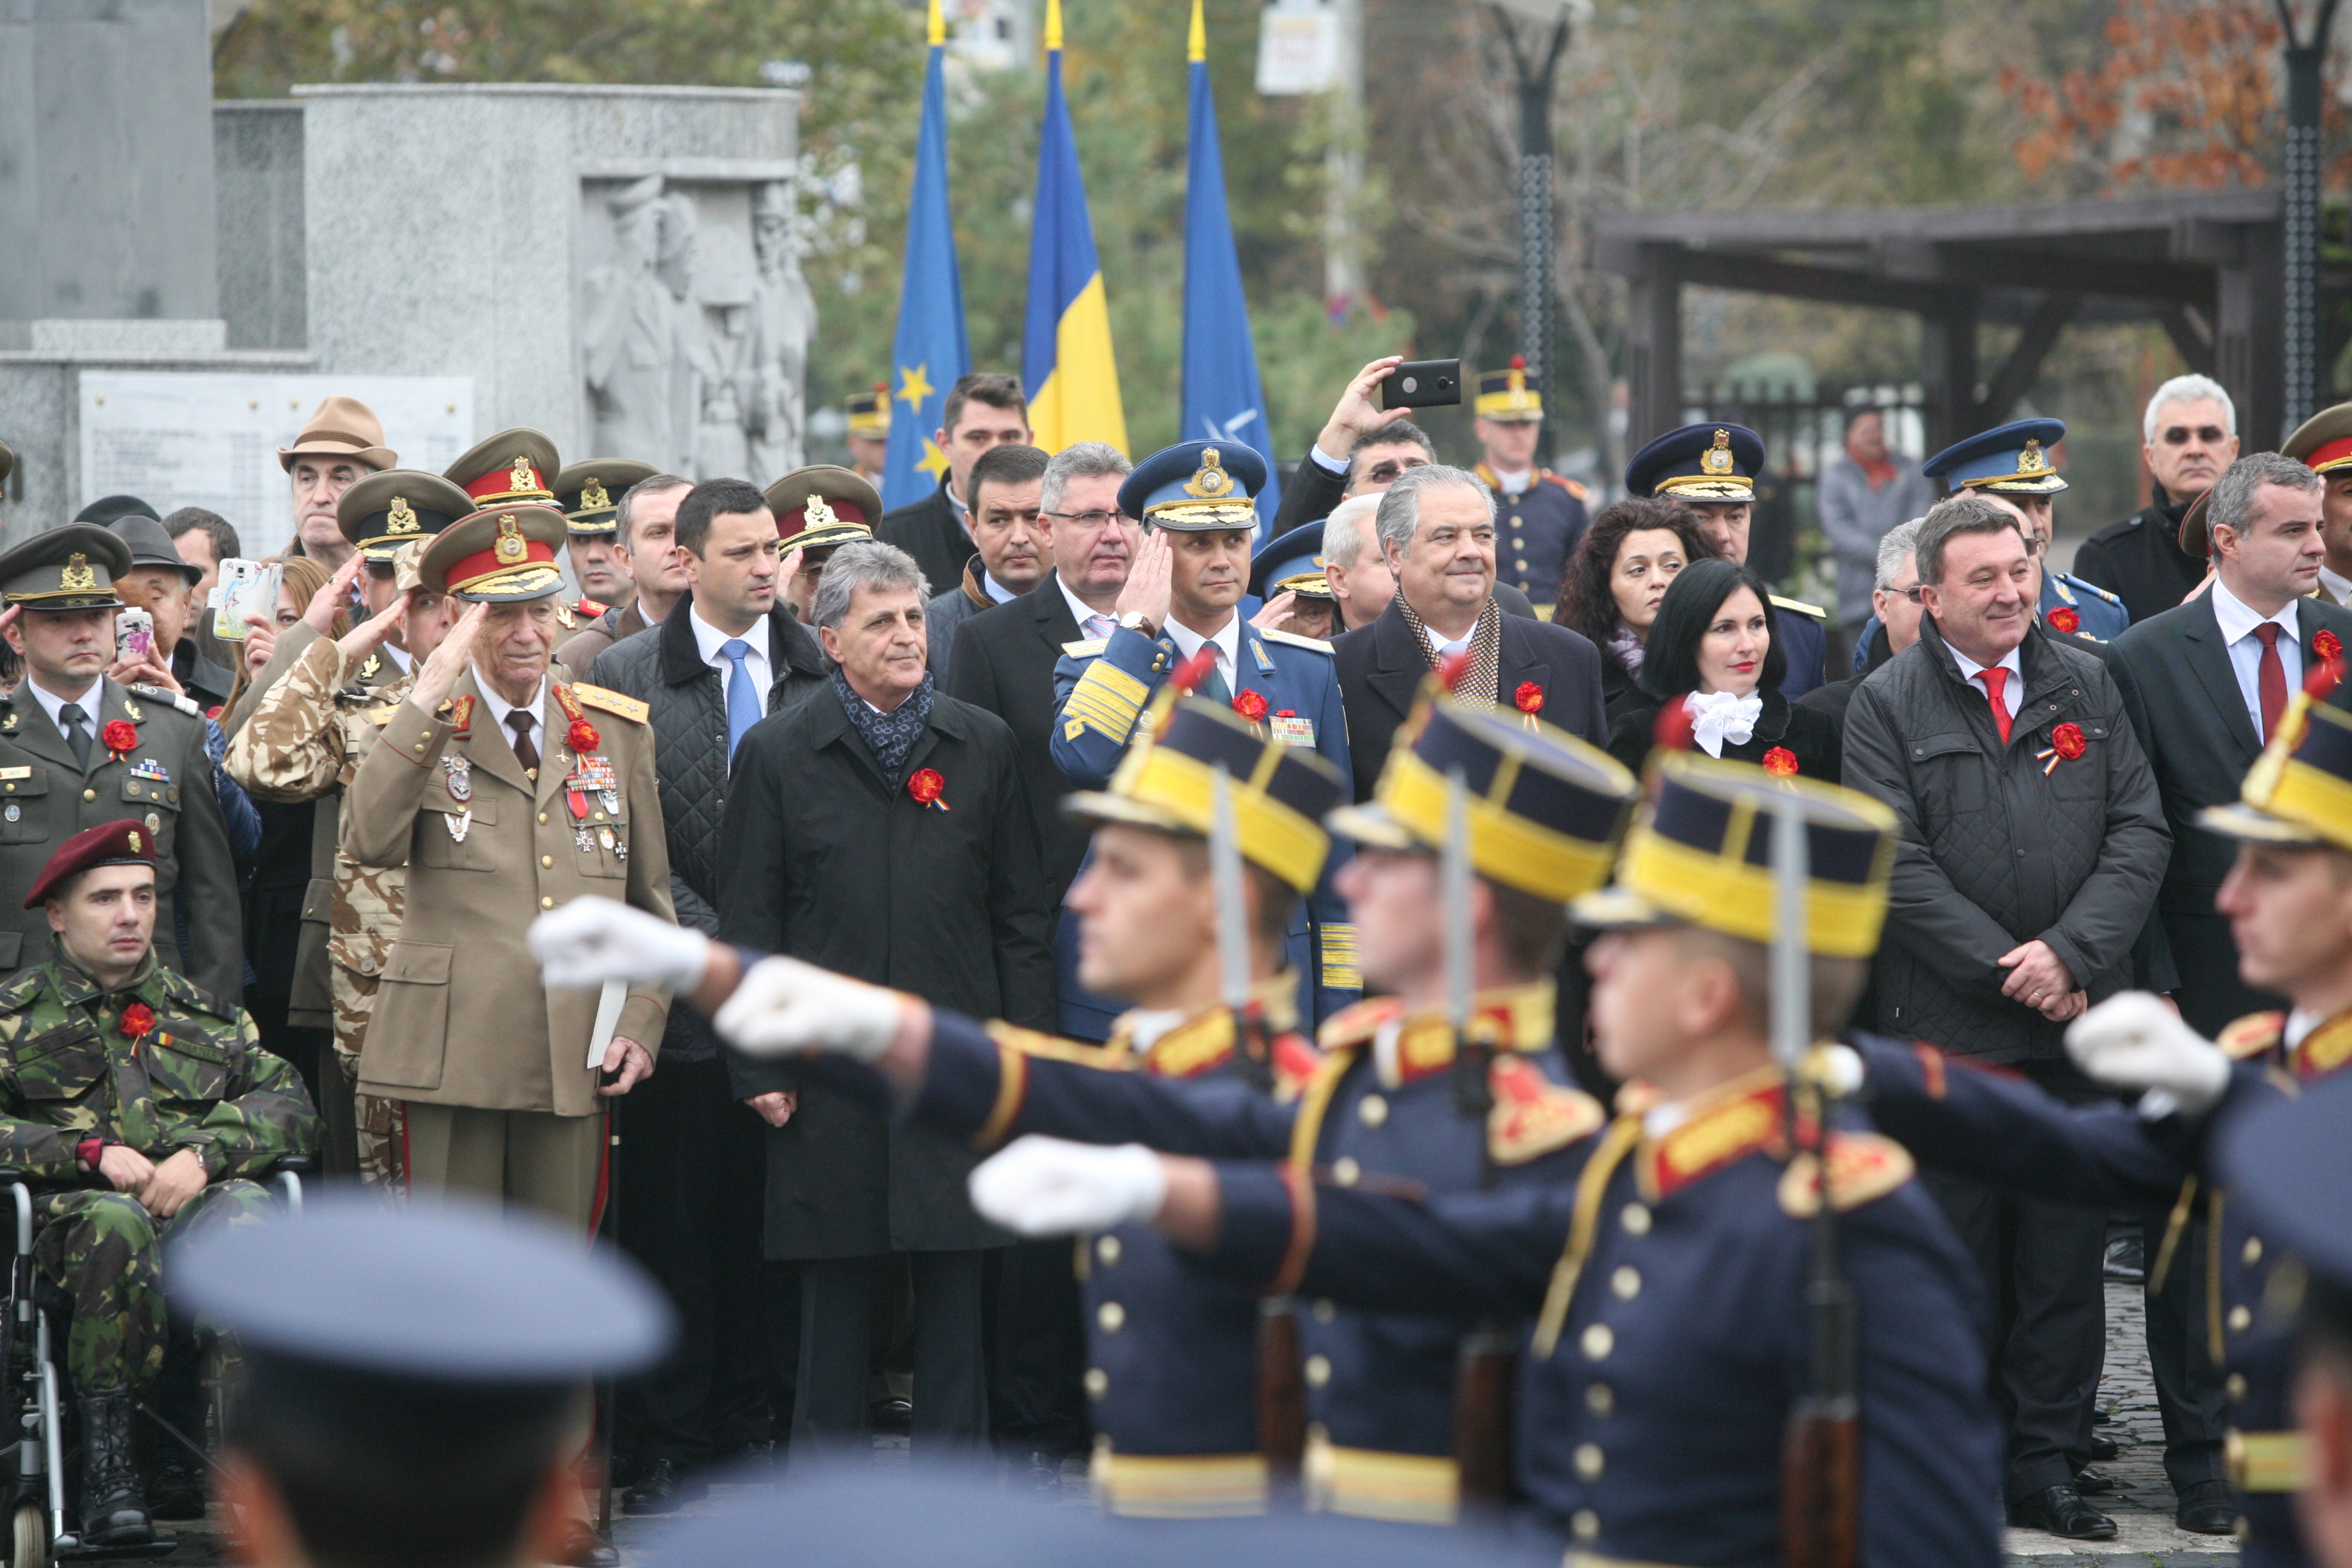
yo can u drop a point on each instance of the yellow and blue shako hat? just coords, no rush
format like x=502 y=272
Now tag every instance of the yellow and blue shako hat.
x=869 y=412
x=1280 y=793
x=1546 y=809
x=2299 y=791
x=1700 y=853
x=1197 y=486
x=1712 y=462
x=1510 y=396
x=2013 y=458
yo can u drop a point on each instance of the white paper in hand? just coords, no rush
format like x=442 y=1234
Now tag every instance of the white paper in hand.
x=609 y=1003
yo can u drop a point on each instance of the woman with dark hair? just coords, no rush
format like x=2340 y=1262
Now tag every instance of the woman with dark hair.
x=1614 y=579
x=1710 y=651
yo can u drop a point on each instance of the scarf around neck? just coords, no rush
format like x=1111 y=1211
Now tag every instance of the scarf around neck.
x=889 y=737
x=1482 y=683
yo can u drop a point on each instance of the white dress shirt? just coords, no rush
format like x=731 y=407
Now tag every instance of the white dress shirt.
x=709 y=639
x=50 y=702
x=499 y=708
x=401 y=658
x=996 y=590
x=2238 y=621
x=1226 y=640
x=2011 y=694
x=1514 y=484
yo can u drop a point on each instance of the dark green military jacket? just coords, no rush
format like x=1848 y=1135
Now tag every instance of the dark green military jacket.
x=164 y=781
x=195 y=1076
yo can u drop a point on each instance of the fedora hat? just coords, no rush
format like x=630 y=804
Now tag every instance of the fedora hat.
x=343 y=428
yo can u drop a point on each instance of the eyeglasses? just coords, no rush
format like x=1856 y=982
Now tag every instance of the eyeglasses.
x=1090 y=520
x=1911 y=592
x=2211 y=434
x=1388 y=470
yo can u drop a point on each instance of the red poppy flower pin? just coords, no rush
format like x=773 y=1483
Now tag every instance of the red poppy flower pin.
x=1780 y=762
x=2066 y=743
x=582 y=737
x=120 y=736
x=926 y=785
x=1528 y=699
x=2065 y=618
x=1249 y=704
x=138 y=1021
x=2326 y=645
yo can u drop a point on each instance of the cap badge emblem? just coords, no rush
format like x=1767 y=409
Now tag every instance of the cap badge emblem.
x=818 y=514
x=77 y=577
x=2032 y=461
x=402 y=518
x=1211 y=480
x=510 y=547
x=1717 y=459
x=133 y=837
x=522 y=478
x=594 y=497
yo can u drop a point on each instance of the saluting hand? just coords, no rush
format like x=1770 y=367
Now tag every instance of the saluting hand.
x=369 y=635
x=1148 y=583
x=440 y=672
x=320 y=613
x=1275 y=614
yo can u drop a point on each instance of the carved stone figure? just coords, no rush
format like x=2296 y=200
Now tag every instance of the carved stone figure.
x=784 y=319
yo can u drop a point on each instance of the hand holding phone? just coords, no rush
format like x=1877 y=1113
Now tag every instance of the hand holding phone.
x=1422 y=383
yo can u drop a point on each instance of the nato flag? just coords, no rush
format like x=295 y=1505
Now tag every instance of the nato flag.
x=928 y=354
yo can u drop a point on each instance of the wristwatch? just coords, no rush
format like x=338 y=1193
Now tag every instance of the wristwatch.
x=1136 y=621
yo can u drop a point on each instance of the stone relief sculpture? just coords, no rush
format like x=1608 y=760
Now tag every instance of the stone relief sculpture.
x=784 y=319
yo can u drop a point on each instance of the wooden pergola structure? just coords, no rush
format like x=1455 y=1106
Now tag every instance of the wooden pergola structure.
x=2206 y=265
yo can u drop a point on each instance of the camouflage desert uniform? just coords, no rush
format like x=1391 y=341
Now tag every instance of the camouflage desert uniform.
x=301 y=742
x=197 y=1078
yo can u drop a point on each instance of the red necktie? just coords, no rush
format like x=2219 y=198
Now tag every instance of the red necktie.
x=2270 y=681
x=1994 y=679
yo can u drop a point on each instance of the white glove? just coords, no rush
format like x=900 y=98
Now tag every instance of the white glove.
x=590 y=940
x=2135 y=1041
x=1050 y=1186
x=785 y=1006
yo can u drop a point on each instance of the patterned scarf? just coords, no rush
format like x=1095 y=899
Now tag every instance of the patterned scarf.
x=888 y=736
x=1626 y=649
x=1484 y=682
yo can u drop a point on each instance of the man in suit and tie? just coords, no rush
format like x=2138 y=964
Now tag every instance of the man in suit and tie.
x=1436 y=529
x=983 y=410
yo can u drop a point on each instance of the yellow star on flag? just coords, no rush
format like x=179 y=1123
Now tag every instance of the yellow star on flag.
x=914 y=385
x=934 y=461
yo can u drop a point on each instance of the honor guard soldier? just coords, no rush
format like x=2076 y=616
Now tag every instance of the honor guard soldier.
x=1182 y=602
x=2012 y=461
x=1712 y=469
x=589 y=495
x=1174 y=1362
x=415 y=1379
x=76 y=749
x=818 y=510
x=1538 y=515
x=868 y=432
x=135 y=1104
x=505 y=790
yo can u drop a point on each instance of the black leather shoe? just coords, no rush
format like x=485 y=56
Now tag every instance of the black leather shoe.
x=178 y=1489
x=583 y=1547
x=113 y=1502
x=2126 y=1261
x=664 y=1488
x=2090 y=1483
x=893 y=1416
x=2062 y=1511
x=2208 y=1508
x=2104 y=1448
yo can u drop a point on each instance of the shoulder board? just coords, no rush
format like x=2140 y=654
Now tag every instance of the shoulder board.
x=1086 y=647
x=1864 y=1167
x=1534 y=1116
x=2094 y=588
x=1357 y=1022
x=380 y=717
x=630 y=708
x=592 y=608
x=2256 y=1034
x=157 y=694
x=1801 y=608
x=1053 y=1048
x=1564 y=483
x=1295 y=640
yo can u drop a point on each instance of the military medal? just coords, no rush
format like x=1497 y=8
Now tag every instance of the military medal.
x=458 y=826
x=604 y=837
x=14 y=811
x=459 y=778
x=611 y=800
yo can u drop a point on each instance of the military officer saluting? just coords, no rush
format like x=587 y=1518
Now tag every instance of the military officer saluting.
x=589 y=495
x=378 y=515
x=2011 y=462
x=504 y=792
x=76 y=749
x=1180 y=604
x=1712 y=469
x=1538 y=515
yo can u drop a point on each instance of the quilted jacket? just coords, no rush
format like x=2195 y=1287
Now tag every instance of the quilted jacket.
x=2002 y=844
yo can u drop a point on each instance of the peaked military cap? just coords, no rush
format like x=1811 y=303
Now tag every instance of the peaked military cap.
x=589 y=493
x=1511 y=396
x=1700 y=853
x=150 y=546
x=1298 y=550
x=1711 y=462
x=69 y=568
x=385 y=510
x=2013 y=458
x=1196 y=487
x=503 y=556
x=1280 y=793
x=869 y=412
x=2299 y=791
x=127 y=842
x=2323 y=441
x=512 y=467
x=824 y=505
x=1308 y=585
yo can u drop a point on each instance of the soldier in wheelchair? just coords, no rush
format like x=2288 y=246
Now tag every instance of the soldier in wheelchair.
x=135 y=1107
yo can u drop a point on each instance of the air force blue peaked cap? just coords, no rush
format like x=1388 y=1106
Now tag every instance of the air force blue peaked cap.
x=2012 y=458
x=1196 y=487
x=1702 y=463
x=1300 y=550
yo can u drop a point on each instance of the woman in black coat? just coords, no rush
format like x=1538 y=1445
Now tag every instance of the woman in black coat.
x=1711 y=651
x=1614 y=580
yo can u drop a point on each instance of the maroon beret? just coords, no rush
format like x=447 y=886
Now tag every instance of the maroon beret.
x=126 y=843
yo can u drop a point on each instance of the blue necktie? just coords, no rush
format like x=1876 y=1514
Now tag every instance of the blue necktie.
x=743 y=703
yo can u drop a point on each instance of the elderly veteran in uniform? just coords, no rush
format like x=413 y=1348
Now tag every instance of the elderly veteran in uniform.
x=1180 y=603
x=77 y=750
x=135 y=1103
x=303 y=744
x=504 y=790
x=818 y=510
x=1712 y=469
x=589 y=495
x=1663 y=1289
x=1538 y=515
x=1172 y=1358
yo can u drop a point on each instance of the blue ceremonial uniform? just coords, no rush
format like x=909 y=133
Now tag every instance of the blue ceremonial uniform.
x=1798 y=627
x=1535 y=530
x=1100 y=689
x=1673 y=1341
x=2098 y=614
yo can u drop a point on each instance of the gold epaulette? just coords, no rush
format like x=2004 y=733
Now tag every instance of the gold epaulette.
x=1571 y=486
x=1355 y=1024
x=1053 y=1048
x=2255 y=1035
x=1801 y=608
x=1864 y=1167
x=1295 y=640
x=613 y=702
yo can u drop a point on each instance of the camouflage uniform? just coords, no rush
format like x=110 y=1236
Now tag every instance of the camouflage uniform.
x=301 y=743
x=198 y=1080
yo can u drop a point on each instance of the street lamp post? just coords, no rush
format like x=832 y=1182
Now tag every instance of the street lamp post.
x=2305 y=57
x=1536 y=75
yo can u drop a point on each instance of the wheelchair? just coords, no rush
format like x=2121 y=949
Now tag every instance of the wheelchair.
x=39 y=1470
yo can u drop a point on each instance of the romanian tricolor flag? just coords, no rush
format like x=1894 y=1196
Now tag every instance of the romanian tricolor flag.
x=1066 y=363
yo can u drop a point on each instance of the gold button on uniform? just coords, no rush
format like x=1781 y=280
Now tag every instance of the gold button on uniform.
x=1107 y=1249
x=1318 y=1371
x=1596 y=1342
x=1601 y=1399
x=542 y=819
x=1636 y=1219
x=1626 y=1281
x=2253 y=1252
x=1344 y=1171
x=89 y=794
x=1111 y=1316
x=1590 y=1461
x=547 y=903
x=547 y=860
x=2241 y=1319
x=1371 y=1111
x=2235 y=1388
x=1585 y=1525
x=1097 y=1383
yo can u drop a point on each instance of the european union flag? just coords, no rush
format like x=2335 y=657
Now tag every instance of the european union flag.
x=1222 y=399
x=928 y=354
x=1066 y=364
